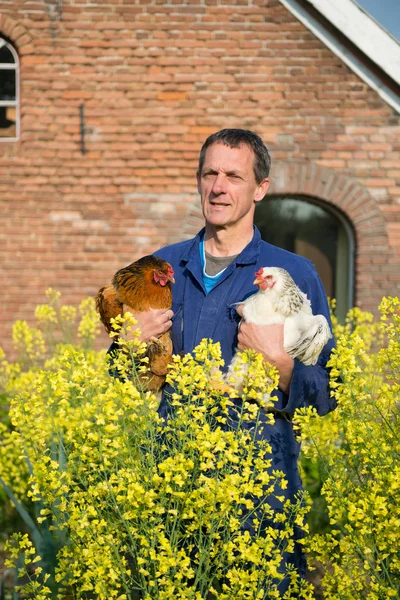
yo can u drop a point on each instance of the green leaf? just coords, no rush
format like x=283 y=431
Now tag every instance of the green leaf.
x=29 y=522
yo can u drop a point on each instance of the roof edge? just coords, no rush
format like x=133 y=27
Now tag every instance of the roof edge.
x=365 y=33
x=368 y=75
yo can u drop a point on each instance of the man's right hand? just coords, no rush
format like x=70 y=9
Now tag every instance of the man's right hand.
x=152 y=323
x=268 y=341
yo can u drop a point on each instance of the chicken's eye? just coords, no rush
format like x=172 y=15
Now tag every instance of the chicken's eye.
x=268 y=277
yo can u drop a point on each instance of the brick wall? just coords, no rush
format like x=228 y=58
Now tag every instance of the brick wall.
x=155 y=79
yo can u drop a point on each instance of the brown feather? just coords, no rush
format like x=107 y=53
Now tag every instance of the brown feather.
x=136 y=287
x=160 y=355
x=107 y=305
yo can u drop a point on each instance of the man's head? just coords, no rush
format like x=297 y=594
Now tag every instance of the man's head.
x=234 y=138
x=232 y=178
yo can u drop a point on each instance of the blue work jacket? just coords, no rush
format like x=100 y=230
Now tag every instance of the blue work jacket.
x=199 y=315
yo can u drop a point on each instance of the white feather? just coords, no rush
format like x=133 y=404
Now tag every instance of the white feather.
x=282 y=301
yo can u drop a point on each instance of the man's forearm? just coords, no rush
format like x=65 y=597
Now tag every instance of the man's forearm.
x=285 y=367
x=268 y=341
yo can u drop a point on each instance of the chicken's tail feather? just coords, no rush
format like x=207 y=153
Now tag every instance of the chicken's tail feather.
x=107 y=305
x=309 y=346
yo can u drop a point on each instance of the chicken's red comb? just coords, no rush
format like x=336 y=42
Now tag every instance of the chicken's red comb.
x=259 y=273
x=170 y=270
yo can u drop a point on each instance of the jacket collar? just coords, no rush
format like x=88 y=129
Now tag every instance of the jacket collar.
x=248 y=256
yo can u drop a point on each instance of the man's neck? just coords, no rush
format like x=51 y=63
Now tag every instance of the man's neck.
x=222 y=242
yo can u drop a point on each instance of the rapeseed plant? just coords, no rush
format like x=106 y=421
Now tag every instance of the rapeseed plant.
x=358 y=450
x=133 y=505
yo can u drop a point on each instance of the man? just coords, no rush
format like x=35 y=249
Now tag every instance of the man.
x=215 y=270
x=232 y=177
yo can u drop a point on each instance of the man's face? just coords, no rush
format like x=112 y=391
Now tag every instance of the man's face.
x=228 y=187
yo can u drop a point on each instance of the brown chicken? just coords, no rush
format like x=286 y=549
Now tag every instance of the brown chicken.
x=140 y=286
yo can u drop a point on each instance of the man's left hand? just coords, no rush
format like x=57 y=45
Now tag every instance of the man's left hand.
x=268 y=341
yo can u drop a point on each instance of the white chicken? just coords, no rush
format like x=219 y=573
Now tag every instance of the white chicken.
x=279 y=300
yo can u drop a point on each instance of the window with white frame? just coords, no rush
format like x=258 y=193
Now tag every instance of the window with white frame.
x=9 y=92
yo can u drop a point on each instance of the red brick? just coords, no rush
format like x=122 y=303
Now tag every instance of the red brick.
x=156 y=79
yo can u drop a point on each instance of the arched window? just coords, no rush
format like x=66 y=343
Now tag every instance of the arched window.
x=9 y=92
x=317 y=231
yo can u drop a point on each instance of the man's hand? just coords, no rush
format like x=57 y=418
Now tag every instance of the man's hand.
x=268 y=341
x=152 y=323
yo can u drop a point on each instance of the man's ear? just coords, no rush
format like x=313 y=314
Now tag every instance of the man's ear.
x=262 y=190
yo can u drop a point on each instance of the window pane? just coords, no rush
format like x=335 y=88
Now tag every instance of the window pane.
x=8 y=122
x=315 y=233
x=6 y=56
x=7 y=84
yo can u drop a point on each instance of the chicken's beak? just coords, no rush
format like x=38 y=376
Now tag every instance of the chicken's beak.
x=172 y=280
x=257 y=281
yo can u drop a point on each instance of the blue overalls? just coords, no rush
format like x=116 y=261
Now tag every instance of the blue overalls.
x=199 y=315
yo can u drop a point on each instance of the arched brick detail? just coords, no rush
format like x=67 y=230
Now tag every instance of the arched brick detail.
x=343 y=192
x=18 y=35
x=377 y=263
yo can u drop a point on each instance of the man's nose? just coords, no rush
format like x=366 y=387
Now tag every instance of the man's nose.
x=219 y=184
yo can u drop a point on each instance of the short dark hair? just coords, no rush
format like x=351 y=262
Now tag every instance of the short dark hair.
x=238 y=137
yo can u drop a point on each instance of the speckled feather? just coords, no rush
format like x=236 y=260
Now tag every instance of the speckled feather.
x=281 y=301
x=290 y=298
